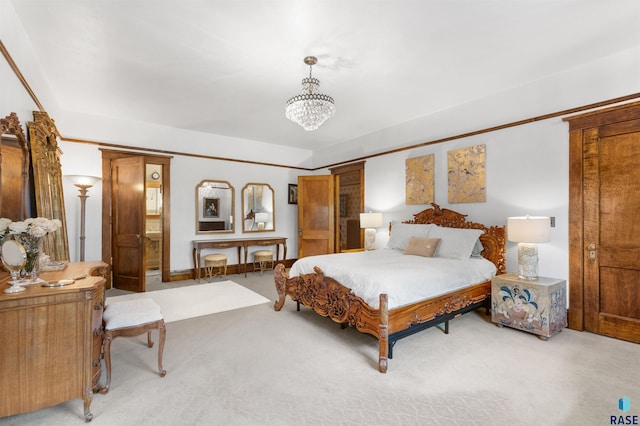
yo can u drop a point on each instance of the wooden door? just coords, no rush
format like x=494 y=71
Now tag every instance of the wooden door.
x=128 y=223
x=316 y=215
x=609 y=241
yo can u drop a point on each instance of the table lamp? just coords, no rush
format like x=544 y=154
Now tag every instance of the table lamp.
x=369 y=221
x=527 y=231
x=261 y=220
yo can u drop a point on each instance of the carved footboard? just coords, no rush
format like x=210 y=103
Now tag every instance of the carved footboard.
x=330 y=299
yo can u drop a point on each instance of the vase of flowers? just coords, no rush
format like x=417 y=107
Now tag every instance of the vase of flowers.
x=30 y=233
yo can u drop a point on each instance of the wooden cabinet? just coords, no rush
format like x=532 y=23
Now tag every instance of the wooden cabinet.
x=51 y=340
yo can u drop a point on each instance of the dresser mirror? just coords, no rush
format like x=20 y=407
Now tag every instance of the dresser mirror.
x=14 y=169
x=258 y=209
x=215 y=200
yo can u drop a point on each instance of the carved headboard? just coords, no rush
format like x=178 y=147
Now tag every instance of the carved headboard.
x=493 y=240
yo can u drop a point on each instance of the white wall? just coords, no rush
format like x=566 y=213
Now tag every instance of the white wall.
x=186 y=173
x=526 y=173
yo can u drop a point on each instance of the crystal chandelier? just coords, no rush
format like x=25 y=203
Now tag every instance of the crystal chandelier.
x=310 y=109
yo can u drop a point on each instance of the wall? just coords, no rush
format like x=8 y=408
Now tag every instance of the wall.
x=526 y=173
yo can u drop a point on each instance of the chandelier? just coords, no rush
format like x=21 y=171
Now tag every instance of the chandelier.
x=310 y=109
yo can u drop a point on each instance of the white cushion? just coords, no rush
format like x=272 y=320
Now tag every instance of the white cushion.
x=455 y=243
x=129 y=313
x=401 y=234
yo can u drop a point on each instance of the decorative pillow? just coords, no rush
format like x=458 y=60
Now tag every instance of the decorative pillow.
x=424 y=247
x=477 y=249
x=456 y=243
x=401 y=233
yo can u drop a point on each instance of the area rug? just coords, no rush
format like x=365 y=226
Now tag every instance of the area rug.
x=198 y=300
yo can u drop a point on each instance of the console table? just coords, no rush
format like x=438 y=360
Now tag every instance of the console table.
x=51 y=340
x=240 y=243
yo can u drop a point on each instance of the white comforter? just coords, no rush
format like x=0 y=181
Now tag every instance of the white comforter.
x=405 y=279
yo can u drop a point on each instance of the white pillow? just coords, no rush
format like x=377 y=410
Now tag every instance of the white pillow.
x=401 y=234
x=455 y=243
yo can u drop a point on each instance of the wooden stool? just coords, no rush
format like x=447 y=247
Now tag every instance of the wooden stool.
x=262 y=258
x=215 y=261
x=131 y=318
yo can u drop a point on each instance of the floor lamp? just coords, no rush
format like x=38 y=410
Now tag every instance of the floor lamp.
x=83 y=183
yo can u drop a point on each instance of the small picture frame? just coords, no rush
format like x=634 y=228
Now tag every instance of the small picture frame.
x=293 y=193
x=211 y=207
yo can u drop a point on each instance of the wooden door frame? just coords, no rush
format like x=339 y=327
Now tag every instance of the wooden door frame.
x=337 y=171
x=107 y=239
x=578 y=124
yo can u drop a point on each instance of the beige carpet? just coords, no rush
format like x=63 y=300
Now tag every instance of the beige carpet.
x=258 y=367
x=198 y=300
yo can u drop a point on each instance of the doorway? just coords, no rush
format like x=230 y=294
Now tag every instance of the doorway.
x=135 y=218
x=350 y=203
x=153 y=223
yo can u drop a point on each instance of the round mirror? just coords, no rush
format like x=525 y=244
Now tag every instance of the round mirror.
x=14 y=258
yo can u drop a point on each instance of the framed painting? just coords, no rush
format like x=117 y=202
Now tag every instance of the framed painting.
x=467 y=175
x=211 y=207
x=293 y=193
x=419 y=180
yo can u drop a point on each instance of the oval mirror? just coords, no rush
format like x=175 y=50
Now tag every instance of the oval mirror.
x=258 y=210
x=14 y=257
x=215 y=200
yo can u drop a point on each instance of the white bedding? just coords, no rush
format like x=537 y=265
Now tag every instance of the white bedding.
x=405 y=279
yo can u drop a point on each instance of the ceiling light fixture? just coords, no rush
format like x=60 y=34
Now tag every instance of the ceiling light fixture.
x=310 y=109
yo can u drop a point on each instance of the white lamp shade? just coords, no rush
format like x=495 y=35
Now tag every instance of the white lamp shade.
x=370 y=220
x=529 y=229
x=82 y=180
x=262 y=217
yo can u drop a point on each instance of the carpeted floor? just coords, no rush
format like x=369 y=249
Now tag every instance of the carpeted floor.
x=255 y=366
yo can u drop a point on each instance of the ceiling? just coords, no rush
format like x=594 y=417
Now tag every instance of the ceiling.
x=228 y=67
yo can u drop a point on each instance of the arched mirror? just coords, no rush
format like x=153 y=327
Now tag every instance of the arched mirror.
x=14 y=169
x=215 y=200
x=258 y=209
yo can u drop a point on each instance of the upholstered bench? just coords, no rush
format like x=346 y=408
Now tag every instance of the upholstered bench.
x=263 y=260
x=131 y=318
x=212 y=261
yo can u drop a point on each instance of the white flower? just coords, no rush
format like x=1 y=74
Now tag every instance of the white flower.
x=36 y=227
x=4 y=224
x=18 y=227
x=37 y=231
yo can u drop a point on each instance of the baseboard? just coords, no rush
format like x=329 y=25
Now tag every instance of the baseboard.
x=188 y=274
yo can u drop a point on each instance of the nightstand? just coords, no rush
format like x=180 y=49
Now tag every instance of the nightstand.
x=535 y=306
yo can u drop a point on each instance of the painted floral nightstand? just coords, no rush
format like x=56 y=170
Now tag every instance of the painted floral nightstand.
x=536 y=306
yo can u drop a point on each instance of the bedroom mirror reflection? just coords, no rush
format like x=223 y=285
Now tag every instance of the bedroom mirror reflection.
x=215 y=200
x=258 y=210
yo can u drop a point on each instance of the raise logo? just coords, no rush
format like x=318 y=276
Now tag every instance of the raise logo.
x=624 y=405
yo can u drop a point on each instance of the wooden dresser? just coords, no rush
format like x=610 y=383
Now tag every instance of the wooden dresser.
x=51 y=340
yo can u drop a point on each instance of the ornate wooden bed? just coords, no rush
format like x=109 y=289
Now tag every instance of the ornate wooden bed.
x=329 y=298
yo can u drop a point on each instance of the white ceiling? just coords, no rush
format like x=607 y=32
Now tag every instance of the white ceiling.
x=228 y=67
